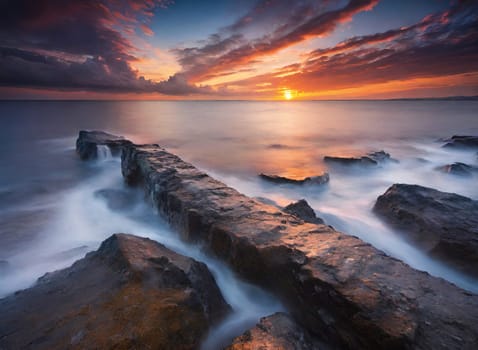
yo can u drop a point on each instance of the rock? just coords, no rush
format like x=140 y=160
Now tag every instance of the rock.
x=87 y=142
x=443 y=224
x=372 y=159
x=463 y=142
x=381 y=157
x=302 y=210
x=132 y=293
x=115 y=199
x=314 y=180
x=274 y=332
x=267 y=201
x=335 y=285
x=460 y=169
x=347 y=161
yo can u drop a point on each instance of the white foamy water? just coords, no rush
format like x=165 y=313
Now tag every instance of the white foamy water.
x=346 y=202
x=81 y=220
x=103 y=152
x=50 y=215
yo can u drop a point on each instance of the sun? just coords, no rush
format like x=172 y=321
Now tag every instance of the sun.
x=288 y=94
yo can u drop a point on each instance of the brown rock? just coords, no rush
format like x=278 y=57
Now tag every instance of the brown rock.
x=338 y=287
x=275 y=332
x=130 y=293
x=302 y=210
x=87 y=142
x=313 y=180
x=346 y=161
x=372 y=159
x=443 y=224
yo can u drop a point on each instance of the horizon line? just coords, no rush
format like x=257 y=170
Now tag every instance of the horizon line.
x=444 y=98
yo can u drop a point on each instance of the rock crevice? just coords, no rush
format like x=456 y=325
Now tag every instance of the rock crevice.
x=337 y=286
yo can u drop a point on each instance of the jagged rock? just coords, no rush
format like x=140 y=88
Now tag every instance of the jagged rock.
x=457 y=168
x=132 y=293
x=302 y=210
x=276 y=332
x=372 y=159
x=313 y=180
x=443 y=224
x=464 y=142
x=335 y=285
x=381 y=157
x=87 y=142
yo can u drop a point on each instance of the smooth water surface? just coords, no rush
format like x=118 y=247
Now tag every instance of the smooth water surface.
x=51 y=213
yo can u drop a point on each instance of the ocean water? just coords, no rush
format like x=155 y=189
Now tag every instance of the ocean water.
x=51 y=212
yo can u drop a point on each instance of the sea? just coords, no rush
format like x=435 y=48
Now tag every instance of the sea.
x=52 y=211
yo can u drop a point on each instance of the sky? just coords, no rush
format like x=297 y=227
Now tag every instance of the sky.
x=243 y=49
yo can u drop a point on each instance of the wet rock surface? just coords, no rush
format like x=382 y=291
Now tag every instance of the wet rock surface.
x=337 y=286
x=132 y=293
x=313 y=180
x=276 y=332
x=87 y=142
x=303 y=211
x=460 y=169
x=372 y=159
x=462 y=142
x=443 y=224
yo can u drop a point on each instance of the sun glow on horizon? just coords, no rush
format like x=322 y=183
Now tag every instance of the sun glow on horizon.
x=288 y=94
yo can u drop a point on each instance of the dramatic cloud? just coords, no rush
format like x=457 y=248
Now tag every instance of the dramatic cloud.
x=439 y=45
x=288 y=23
x=84 y=44
x=110 y=47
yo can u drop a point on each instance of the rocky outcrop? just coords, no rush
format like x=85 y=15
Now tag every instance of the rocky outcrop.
x=347 y=161
x=381 y=157
x=443 y=224
x=460 y=169
x=372 y=159
x=132 y=293
x=88 y=142
x=462 y=142
x=275 y=332
x=303 y=211
x=337 y=286
x=313 y=180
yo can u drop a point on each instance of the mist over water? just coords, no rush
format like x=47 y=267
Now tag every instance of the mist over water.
x=54 y=208
x=83 y=217
x=346 y=202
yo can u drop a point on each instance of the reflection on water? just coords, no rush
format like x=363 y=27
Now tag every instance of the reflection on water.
x=49 y=211
x=346 y=202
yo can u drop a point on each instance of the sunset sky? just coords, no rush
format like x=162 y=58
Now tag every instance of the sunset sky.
x=246 y=49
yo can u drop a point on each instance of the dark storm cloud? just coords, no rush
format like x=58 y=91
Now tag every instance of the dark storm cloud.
x=439 y=45
x=69 y=44
x=288 y=23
